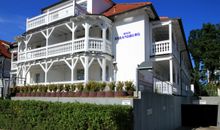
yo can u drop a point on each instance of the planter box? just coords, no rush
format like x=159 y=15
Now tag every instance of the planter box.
x=109 y=94
x=71 y=94
x=100 y=94
x=120 y=94
x=130 y=93
x=92 y=94
x=77 y=94
x=85 y=94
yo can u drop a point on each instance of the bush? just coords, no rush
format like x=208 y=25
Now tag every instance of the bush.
x=26 y=115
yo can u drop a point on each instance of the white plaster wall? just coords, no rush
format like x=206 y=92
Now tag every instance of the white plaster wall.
x=33 y=72
x=129 y=52
x=59 y=38
x=98 y=6
x=59 y=73
x=95 y=72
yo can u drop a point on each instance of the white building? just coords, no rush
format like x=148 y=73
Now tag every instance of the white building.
x=80 y=40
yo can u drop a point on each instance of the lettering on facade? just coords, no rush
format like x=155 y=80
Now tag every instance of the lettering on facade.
x=127 y=35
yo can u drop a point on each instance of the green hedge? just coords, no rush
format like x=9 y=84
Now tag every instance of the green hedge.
x=34 y=115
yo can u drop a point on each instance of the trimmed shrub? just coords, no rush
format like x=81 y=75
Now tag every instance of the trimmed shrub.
x=35 y=115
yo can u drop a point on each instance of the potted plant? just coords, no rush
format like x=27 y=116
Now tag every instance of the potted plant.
x=50 y=89
x=34 y=91
x=129 y=86
x=94 y=89
x=119 y=88
x=25 y=90
x=86 y=90
x=60 y=89
x=54 y=90
x=40 y=88
x=72 y=90
x=66 y=89
x=110 y=93
x=79 y=87
x=101 y=92
x=44 y=90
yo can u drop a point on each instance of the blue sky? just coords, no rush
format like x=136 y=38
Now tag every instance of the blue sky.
x=194 y=13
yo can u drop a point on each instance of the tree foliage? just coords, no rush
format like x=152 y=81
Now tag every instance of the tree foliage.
x=204 y=45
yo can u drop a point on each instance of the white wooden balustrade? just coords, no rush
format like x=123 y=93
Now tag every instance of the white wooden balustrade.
x=95 y=44
x=62 y=48
x=159 y=48
x=68 y=47
x=13 y=65
x=162 y=87
x=52 y=16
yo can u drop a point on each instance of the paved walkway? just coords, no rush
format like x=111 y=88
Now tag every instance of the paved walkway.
x=208 y=128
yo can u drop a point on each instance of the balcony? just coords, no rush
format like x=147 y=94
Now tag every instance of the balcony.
x=14 y=65
x=52 y=16
x=68 y=47
x=160 y=48
x=163 y=87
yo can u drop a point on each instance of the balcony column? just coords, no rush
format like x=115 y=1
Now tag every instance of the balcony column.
x=170 y=36
x=86 y=27
x=103 y=69
x=86 y=69
x=72 y=69
x=73 y=35
x=104 y=39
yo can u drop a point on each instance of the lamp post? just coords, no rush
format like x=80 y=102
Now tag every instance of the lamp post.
x=114 y=69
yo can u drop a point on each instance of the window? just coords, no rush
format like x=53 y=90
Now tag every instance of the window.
x=80 y=74
x=37 y=78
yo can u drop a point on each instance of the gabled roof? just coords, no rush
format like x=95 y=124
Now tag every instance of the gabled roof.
x=4 y=50
x=164 y=18
x=121 y=8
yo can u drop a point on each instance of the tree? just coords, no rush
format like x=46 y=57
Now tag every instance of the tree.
x=204 y=45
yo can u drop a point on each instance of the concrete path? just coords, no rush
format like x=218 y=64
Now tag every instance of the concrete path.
x=207 y=128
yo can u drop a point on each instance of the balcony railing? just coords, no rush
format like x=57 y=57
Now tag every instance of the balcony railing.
x=68 y=47
x=49 y=17
x=159 y=48
x=13 y=65
x=162 y=87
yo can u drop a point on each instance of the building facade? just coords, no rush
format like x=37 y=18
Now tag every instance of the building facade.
x=75 y=41
x=5 y=67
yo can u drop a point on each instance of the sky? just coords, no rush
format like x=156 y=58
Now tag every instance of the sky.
x=194 y=13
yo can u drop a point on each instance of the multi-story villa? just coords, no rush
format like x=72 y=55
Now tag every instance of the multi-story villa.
x=76 y=41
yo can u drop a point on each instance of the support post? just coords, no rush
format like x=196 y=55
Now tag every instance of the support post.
x=87 y=27
x=104 y=39
x=171 y=71
x=170 y=37
x=103 y=69
x=86 y=69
